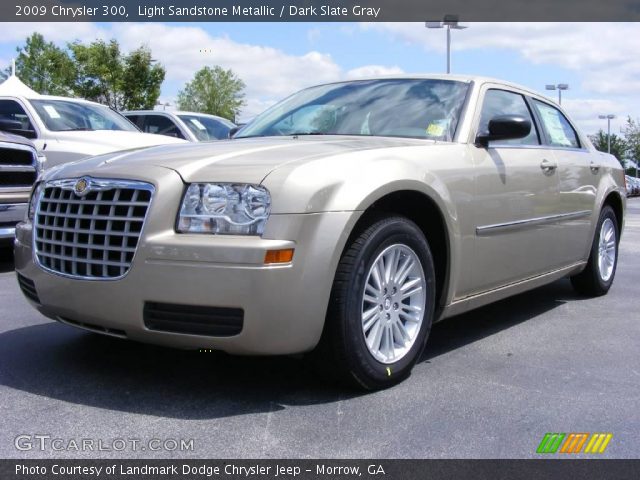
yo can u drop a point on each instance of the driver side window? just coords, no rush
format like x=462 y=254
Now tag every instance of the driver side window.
x=501 y=102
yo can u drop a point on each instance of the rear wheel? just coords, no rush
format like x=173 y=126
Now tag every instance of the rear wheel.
x=597 y=277
x=381 y=305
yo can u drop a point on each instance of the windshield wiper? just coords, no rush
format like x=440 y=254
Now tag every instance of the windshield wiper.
x=77 y=129
x=299 y=134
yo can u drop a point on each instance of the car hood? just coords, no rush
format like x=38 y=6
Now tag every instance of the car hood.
x=241 y=160
x=105 y=141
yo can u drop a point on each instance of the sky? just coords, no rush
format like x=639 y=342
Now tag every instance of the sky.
x=599 y=61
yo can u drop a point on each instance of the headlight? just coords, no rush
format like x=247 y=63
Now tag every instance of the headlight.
x=33 y=201
x=224 y=209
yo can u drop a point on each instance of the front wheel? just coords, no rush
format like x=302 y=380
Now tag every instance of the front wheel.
x=381 y=305
x=597 y=277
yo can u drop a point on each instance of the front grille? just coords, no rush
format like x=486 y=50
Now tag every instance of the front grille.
x=193 y=319
x=17 y=179
x=28 y=288
x=16 y=156
x=93 y=236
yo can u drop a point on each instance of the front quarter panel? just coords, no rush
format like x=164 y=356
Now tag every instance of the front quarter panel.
x=355 y=181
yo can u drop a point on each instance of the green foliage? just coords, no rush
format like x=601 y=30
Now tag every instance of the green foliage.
x=98 y=71
x=107 y=76
x=631 y=132
x=215 y=91
x=618 y=144
x=44 y=67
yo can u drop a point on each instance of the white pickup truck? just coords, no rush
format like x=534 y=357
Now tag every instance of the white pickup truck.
x=69 y=129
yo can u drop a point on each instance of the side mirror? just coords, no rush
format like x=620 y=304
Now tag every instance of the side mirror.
x=7 y=125
x=233 y=131
x=504 y=127
x=15 y=127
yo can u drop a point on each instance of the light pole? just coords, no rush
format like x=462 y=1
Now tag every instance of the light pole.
x=560 y=87
x=609 y=117
x=450 y=22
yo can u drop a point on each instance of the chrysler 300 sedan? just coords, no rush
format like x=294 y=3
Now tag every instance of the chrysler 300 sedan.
x=341 y=222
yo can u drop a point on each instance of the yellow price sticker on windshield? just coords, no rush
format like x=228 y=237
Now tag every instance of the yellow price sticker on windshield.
x=435 y=130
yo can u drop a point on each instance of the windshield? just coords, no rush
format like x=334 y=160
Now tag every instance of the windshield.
x=393 y=108
x=207 y=128
x=66 y=116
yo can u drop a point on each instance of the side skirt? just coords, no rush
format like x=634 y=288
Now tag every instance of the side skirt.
x=490 y=296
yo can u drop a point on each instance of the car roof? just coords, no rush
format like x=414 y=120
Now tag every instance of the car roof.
x=171 y=112
x=52 y=97
x=442 y=76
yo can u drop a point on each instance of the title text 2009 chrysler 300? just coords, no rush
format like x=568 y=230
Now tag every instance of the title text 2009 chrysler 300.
x=345 y=220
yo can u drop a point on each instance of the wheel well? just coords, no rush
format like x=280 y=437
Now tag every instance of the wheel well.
x=424 y=212
x=614 y=201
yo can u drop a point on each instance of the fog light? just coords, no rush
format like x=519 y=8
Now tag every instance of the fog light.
x=279 y=256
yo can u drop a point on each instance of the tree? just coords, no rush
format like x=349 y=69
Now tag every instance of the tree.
x=107 y=76
x=215 y=91
x=44 y=67
x=618 y=144
x=631 y=132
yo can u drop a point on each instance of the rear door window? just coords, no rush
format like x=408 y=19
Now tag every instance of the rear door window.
x=556 y=126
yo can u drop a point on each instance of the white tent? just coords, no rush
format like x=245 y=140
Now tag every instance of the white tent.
x=14 y=86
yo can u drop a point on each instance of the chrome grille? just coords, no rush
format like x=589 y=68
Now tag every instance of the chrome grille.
x=18 y=165
x=93 y=234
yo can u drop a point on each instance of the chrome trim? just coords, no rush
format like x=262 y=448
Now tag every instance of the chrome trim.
x=102 y=184
x=20 y=146
x=536 y=147
x=7 y=232
x=8 y=206
x=486 y=230
x=12 y=212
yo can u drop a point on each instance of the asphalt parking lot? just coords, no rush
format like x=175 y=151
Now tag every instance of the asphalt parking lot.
x=491 y=384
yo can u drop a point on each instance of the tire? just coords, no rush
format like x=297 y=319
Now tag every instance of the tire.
x=597 y=277
x=343 y=349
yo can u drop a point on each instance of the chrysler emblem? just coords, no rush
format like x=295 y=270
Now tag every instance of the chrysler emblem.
x=82 y=187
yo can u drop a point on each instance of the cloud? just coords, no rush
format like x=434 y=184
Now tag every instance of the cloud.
x=367 y=71
x=594 y=50
x=270 y=74
x=603 y=55
x=585 y=113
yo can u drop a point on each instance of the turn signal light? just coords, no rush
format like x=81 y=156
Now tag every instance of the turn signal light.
x=279 y=256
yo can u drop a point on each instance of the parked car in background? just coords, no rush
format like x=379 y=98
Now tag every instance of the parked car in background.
x=343 y=221
x=633 y=186
x=20 y=166
x=194 y=127
x=629 y=184
x=70 y=129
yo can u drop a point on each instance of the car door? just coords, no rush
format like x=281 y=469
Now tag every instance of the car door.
x=578 y=177
x=516 y=198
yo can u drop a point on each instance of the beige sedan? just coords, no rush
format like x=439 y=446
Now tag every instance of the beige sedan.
x=342 y=222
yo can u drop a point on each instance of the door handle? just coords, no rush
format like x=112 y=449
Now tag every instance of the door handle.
x=594 y=167
x=548 y=166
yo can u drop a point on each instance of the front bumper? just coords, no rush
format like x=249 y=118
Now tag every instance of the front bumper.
x=10 y=215
x=284 y=305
